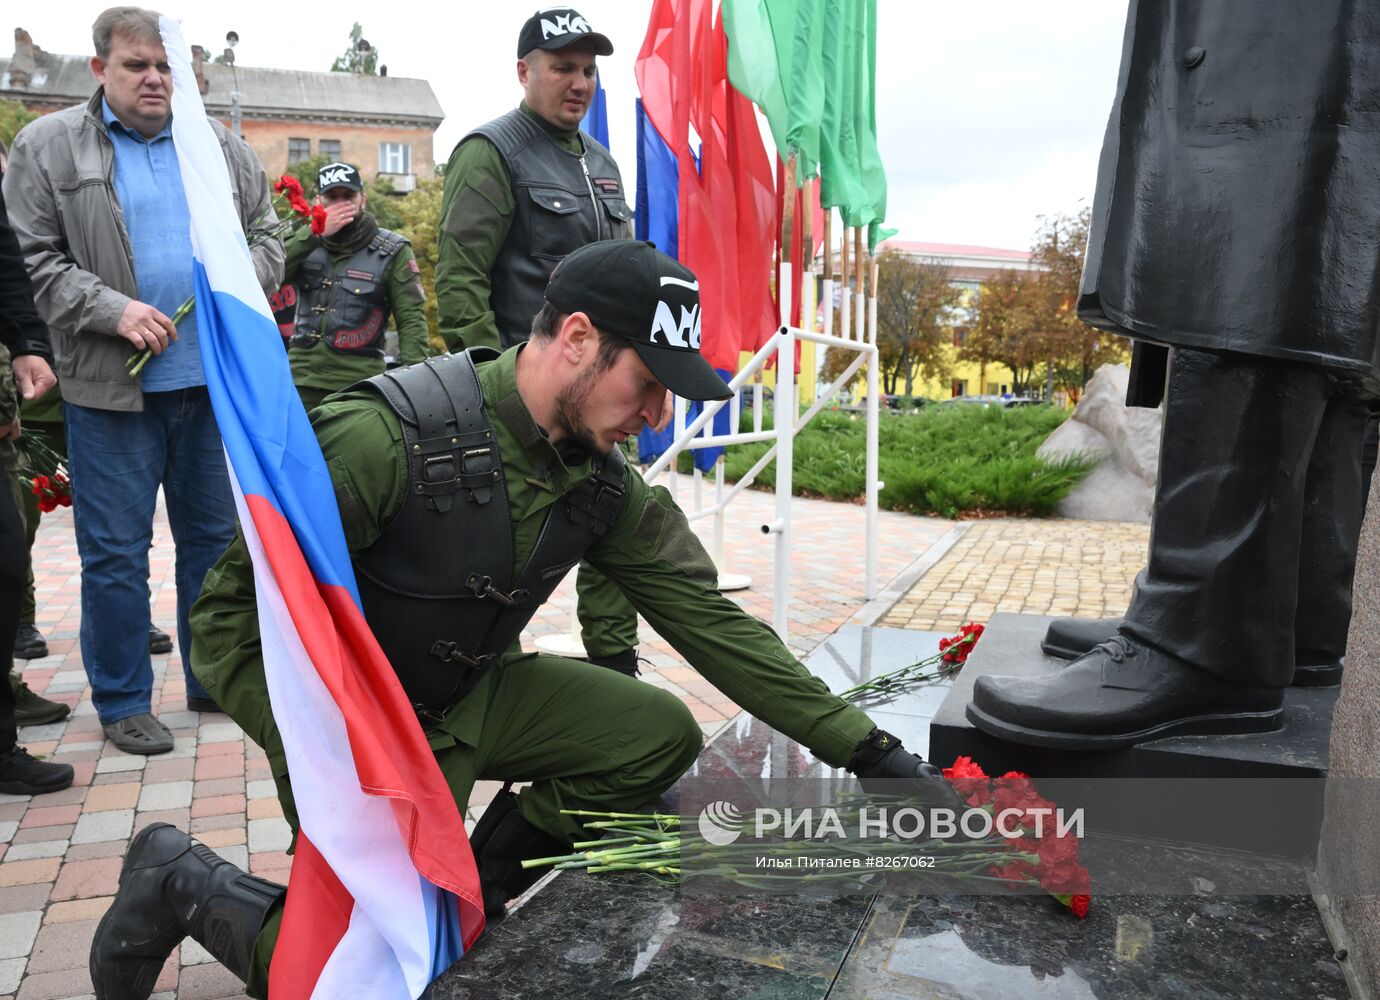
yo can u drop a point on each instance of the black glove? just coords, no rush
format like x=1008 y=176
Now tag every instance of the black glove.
x=883 y=765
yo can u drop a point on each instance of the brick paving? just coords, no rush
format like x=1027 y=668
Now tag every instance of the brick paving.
x=1060 y=567
x=60 y=854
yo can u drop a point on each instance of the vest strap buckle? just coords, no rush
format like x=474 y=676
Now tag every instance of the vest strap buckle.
x=451 y=652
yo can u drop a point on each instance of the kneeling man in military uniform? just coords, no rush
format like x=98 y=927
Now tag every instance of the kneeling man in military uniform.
x=469 y=485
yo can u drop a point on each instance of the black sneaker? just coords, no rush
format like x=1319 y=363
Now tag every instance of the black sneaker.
x=33 y=710
x=23 y=774
x=159 y=641
x=29 y=643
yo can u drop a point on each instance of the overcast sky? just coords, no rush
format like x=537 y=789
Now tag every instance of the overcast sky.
x=990 y=112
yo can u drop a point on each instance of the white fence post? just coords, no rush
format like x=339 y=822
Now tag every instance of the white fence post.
x=784 y=418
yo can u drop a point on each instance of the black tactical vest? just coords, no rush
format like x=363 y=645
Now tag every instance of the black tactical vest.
x=354 y=301
x=562 y=200
x=439 y=587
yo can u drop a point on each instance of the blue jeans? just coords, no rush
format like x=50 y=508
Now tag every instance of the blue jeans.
x=118 y=459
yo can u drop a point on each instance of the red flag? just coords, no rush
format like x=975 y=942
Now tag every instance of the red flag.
x=725 y=196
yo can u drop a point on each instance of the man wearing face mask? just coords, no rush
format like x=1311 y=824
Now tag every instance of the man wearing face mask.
x=348 y=280
x=521 y=192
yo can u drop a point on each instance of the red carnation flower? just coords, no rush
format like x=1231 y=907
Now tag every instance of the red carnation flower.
x=964 y=767
x=318 y=220
x=1079 y=904
x=289 y=185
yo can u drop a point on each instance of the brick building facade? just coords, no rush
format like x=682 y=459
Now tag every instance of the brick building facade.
x=384 y=125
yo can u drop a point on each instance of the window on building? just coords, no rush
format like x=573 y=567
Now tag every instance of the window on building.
x=960 y=336
x=395 y=158
x=960 y=387
x=299 y=150
x=330 y=148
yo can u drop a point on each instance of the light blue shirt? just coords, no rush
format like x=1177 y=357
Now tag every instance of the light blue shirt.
x=148 y=183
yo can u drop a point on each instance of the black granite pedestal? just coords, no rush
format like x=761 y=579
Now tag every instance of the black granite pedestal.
x=625 y=936
x=1259 y=793
x=1011 y=645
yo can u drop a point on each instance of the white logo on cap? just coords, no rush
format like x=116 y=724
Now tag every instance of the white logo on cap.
x=569 y=23
x=334 y=173
x=686 y=333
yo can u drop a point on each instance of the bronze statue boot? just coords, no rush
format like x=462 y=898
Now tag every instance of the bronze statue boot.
x=1070 y=638
x=1119 y=694
x=172 y=887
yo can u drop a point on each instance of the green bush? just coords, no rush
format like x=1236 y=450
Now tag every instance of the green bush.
x=947 y=461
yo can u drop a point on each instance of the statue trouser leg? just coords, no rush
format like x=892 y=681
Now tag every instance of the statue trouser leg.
x=586 y=737
x=608 y=622
x=1219 y=591
x=1333 y=503
x=1207 y=644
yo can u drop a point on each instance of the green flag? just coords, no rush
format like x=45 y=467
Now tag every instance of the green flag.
x=775 y=59
x=810 y=65
x=852 y=177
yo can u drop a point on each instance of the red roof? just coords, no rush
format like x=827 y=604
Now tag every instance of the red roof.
x=952 y=250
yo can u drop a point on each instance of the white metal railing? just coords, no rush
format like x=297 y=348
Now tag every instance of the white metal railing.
x=788 y=422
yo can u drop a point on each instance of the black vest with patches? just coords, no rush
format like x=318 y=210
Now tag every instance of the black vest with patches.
x=354 y=301
x=439 y=586
x=561 y=201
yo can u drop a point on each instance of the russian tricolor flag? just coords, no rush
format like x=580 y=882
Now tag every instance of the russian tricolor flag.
x=384 y=894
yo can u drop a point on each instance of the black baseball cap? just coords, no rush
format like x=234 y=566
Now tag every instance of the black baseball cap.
x=630 y=289
x=557 y=27
x=335 y=175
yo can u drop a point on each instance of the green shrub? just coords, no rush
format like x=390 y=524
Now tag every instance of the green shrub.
x=947 y=461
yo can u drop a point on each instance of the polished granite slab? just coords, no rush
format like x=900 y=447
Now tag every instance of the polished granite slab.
x=616 y=936
x=1269 y=796
x=1128 y=948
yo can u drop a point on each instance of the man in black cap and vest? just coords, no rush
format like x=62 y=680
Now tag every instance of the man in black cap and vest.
x=348 y=280
x=522 y=192
x=455 y=545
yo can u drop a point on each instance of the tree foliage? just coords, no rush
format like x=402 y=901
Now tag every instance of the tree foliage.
x=13 y=116
x=1007 y=325
x=1028 y=320
x=419 y=218
x=915 y=303
x=355 y=60
x=915 y=300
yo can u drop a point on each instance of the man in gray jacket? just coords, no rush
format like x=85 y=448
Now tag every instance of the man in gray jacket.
x=96 y=199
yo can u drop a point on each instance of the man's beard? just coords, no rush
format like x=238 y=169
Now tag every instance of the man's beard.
x=568 y=403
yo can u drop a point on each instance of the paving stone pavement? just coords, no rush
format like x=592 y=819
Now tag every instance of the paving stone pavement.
x=60 y=853
x=1055 y=567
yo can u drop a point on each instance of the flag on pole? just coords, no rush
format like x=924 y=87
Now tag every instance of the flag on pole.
x=596 y=119
x=775 y=58
x=384 y=893
x=725 y=196
x=810 y=65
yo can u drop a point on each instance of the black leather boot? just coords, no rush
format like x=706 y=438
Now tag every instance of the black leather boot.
x=501 y=841
x=883 y=765
x=1120 y=694
x=1070 y=638
x=172 y=887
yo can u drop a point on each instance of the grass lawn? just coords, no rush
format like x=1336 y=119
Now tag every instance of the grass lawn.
x=950 y=461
